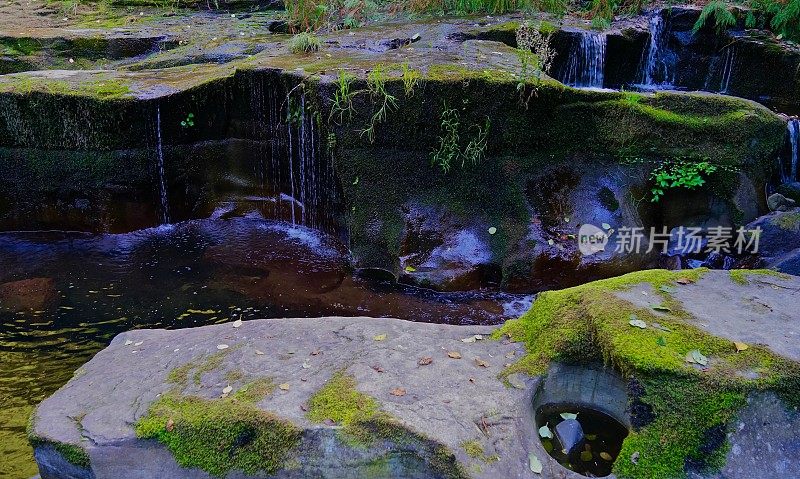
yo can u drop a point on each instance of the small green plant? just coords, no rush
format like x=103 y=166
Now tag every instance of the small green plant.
x=678 y=174
x=189 y=121
x=535 y=56
x=410 y=79
x=304 y=42
x=343 y=98
x=376 y=84
x=723 y=17
x=449 y=150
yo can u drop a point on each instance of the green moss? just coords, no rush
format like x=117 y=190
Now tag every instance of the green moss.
x=102 y=89
x=219 y=435
x=590 y=322
x=741 y=276
x=180 y=375
x=255 y=391
x=72 y=453
x=365 y=425
x=475 y=451
x=787 y=221
x=234 y=375
x=340 y=401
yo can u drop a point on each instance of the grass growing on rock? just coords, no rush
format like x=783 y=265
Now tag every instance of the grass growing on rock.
x=690 y=406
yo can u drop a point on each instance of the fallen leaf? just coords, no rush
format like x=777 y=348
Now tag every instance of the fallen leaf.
x=740 y=346
x=138 y=344
x=304 y=407
x=377 y=368
x=481 y=363
x=380 y=337
x=170 y=425
x=535 y=463
x=635 y=457
x=661 y=341
x=667 y=289
x=454 y=354
x=316 y=353
x=510 y=355
x=398 y=392
x=237 y=323
x=492 y=230
x=606 y=226
x=662 y=328
x=606 y=456
x=591 y=437
x=586 y=456
x=425 y=361
x=662 y=308
x=410 y=269
x=569 y=415
x=227 y=390
x=284 y=387
x=638 y=323
x=128 y=342
x=545 y=431
x=684 y=281
x=470 y=339
x=696 y=357
x=260 y=353
x=222 y=346
x=306 y=365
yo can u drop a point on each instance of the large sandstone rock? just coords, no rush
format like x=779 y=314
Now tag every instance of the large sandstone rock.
x=432 y=399
x=779 y=244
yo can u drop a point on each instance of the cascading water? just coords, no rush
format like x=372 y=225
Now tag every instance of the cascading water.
x=587 y=61
x=728 y=61
x=657 y=67
x=789 y=175
x=162 y=180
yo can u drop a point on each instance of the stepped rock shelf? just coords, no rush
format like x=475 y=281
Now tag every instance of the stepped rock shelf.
x=368 y=397
x=110 y=148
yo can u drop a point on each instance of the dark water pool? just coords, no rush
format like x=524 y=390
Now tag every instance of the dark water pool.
x=603 y=437
x=91 y=287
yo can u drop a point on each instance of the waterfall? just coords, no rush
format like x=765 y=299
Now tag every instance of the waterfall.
x=656 y=69
x=587 y=61
x=162 y=180
x=793 y=133
x=728 y=60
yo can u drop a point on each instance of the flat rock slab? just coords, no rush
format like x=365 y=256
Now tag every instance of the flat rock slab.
x=450 y=401
x=753 y=308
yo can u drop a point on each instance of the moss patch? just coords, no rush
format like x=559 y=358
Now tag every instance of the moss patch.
x=339 y=401
x=219 y=435
x=789 y=222
x=590 y=322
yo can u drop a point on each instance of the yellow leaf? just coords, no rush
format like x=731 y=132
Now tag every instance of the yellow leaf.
x=410 y=269
x=740 y=346
x=380 y=337
x=606 y=456
x=284 y=387
x=454 y=355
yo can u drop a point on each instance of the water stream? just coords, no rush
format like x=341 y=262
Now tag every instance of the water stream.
x=789 y=175
x=162 y=180
x=657 y=68
x=587 y=61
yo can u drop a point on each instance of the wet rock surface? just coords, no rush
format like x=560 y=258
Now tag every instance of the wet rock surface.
x=28 y=295
x=779 y=244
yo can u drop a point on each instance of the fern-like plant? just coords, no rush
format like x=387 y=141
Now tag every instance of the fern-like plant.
x=719 y=11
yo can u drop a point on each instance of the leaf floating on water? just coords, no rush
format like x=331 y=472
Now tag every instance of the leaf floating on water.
x=545 y=431
x=454 y=354
x=227 y=390
x=380 y=337
x=237 y=323
x=222 y=346
x=492 y=230
x=284 y=387
x=591 y=437
x=740 y=346
x=355 y=182
x=535 y=463
x=606 y=456
x=410 y=269
x=586 y=456
x=569 y=415
x=399 y=392
x=638 y=323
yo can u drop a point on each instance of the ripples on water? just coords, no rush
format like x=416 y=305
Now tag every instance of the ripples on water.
x=184 y=275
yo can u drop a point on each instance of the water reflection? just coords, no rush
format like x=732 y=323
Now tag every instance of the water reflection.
x=63 y=296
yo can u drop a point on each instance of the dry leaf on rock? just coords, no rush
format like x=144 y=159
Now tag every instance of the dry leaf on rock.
x=398 y=392
x=454 y=354
x=380 y=337
x=284 y=387
x=425 y=361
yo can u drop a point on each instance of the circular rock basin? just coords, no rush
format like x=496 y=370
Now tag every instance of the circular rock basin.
x=581 y=439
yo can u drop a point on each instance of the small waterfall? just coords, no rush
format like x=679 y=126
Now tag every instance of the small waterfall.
x=728 y=60
x=162 y=180
x=587 y=61
x=793 y=134
x=656 y=69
